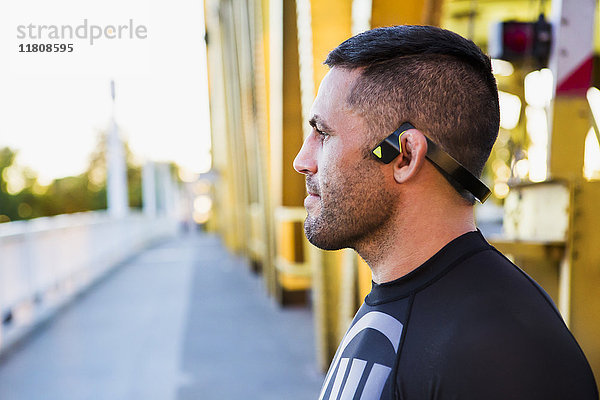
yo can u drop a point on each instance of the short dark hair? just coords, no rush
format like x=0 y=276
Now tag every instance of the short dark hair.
x=434 y=78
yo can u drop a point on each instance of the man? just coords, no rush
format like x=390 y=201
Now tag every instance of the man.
x=403 y=123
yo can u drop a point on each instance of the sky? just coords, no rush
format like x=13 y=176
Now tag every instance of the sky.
x=54 y=105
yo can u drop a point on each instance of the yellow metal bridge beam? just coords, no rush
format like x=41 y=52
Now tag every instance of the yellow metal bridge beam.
x=406 y=12
x=579 y=277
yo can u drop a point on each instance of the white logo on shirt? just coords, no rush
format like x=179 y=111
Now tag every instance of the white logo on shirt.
x=391 y=328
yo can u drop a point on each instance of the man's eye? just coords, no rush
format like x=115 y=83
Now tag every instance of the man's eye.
x=321 y=133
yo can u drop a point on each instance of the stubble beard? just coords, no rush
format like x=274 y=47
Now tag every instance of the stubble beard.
x=353 y=210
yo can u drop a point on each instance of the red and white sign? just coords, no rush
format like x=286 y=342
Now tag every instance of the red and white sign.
x=571 y=59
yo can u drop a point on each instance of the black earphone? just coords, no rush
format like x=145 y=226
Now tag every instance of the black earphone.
x=390 y=147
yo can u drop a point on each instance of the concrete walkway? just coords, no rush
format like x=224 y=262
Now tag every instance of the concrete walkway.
x=184 y=320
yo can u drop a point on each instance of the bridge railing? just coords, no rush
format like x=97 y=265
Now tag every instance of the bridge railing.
x=46 y=261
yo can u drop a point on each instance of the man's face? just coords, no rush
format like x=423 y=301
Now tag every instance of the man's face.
x=347 y=198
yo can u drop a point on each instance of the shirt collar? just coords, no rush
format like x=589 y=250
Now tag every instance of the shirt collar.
x=430 y=270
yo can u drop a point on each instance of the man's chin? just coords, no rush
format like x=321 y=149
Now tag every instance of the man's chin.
x=321 y=239
x=326 y=246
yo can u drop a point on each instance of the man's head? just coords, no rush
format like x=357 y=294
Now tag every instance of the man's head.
x=437 y=80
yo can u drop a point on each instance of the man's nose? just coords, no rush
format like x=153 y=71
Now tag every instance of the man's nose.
x=306 y=159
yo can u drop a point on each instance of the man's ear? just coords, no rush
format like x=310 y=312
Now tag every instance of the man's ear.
x=410 y=161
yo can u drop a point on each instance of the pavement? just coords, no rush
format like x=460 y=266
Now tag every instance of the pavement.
x=182 y=320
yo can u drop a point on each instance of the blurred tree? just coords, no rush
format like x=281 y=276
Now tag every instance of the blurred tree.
x=23 y=197
x=8 y=208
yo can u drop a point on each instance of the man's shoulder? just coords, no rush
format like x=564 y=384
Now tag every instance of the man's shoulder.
x=485 y=325
x=488 y=274
x=484 y=281
x=486 y=298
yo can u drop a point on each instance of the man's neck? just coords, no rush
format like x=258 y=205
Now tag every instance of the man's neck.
x=413 y=238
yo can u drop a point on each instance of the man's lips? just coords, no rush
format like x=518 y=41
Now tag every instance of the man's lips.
x=310 y=199
x=312 y=189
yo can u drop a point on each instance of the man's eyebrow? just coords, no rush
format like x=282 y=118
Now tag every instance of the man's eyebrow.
x=317 y=120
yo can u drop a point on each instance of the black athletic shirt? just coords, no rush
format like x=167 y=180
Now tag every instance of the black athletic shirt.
x=467 y=324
